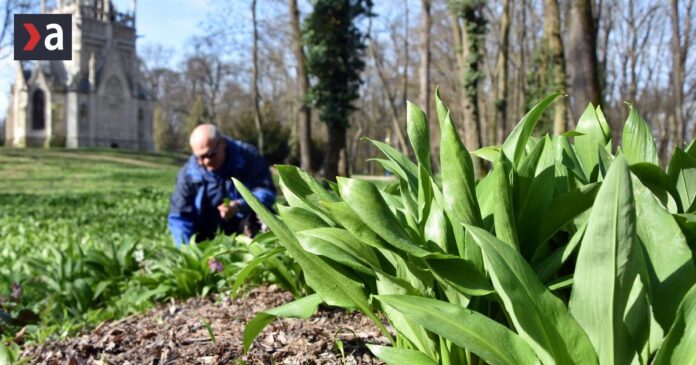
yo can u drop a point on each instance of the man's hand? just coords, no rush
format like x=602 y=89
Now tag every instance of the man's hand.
x=227 y=211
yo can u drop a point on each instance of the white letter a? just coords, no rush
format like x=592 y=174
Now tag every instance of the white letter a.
x=57 y=38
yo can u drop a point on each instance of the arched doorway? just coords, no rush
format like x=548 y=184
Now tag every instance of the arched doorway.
x=38 y=110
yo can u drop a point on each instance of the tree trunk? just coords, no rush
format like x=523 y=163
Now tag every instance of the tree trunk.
x=469 y=98
x=522 y=68
x=501 y=98
x=582 y=58
x=424 y=52
x=552 y=33
x=336 y=151
x=679 y=52
x=304 y=130
x=396 y=126
x=257 y=113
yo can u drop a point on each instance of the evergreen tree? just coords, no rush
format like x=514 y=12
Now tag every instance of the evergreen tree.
x=335 y=48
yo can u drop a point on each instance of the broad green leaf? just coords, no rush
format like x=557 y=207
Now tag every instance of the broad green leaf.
x=671 y=263
x=442 y=110
x=682 y=173
x=399 y=356
x=691 y=150
x=637 y=142
x=679 y=346
x=348 y=243
x=549 y=266
x=250 y=266
x=295 y=174
x=594 y=135
x=637 y=320
x=334 y=287
x=515 y=143
x=491 y=341
x=439 y=230
x=352 y=222
x=300 y=219
x=540 y=317
x=563 y=209
x=458 y=184
x=387 y=165
x=334 y=252
x=459 y=273
x=687 y=223
x=425 y=196
x=535 y=186
x=486 y=195
x=488 y=153
x=300 y=308
x=659 y=184
x=503 y=211
x=459 y=188
x=566 y=157
x=368 y=204
x=607 y=257
x=417 y=128
x=415 y=334
x=570 y=134
x=401 y=161
x=604 y=159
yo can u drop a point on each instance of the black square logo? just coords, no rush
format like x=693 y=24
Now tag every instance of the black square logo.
x=43 y=37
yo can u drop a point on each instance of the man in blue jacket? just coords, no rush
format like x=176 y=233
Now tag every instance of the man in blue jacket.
x=205 y=200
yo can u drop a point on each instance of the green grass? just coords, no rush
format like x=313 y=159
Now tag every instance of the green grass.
x=39 y=171
x=83 y=235
x=57 y=208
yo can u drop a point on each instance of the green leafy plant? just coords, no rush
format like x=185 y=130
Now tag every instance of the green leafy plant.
x=565 y=252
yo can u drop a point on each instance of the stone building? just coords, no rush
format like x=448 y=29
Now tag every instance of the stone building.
x=92 y=100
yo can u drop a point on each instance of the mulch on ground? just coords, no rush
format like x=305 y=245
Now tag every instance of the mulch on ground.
x=175 y=334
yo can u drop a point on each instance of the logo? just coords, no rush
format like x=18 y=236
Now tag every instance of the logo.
x=43 y=37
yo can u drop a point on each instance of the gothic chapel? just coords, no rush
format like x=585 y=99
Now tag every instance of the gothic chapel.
x=93 y=100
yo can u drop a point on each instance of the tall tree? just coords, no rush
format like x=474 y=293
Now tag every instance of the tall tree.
x=255 y=76
x=468 y=43
x=304 y=130
x=335 y=47
x=501 y=98
x=424 y=53
x=556 y=61
x=680 y=49
x=396 y=126
x=582 y=57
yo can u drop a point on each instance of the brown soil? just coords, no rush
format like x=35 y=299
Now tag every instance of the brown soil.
x=175 y=334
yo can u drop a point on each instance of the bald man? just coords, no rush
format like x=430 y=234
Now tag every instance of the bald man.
x=205 y=201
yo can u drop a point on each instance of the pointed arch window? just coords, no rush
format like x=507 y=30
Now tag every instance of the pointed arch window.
x=38 y=110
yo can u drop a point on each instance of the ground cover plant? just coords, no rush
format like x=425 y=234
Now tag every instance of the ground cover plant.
x=567 y=251
x=84 y=238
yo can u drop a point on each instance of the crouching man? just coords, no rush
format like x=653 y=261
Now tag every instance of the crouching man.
x=205 y=201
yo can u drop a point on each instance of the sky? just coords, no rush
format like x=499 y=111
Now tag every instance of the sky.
x=169 y=23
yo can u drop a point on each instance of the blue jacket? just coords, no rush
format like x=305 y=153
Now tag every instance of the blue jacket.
x=198 y=192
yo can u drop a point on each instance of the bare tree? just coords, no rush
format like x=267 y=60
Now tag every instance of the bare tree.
x=582 y=57
x=552 y=34
x=468 y=46
x=9 y=8
x=681 y=41
x=255 y=83
x=396 y=126
x=501 y=97
x=424 y=51
x=304 y=129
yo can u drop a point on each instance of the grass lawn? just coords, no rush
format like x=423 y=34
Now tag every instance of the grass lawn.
x=61 y=208
x=41 y=171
